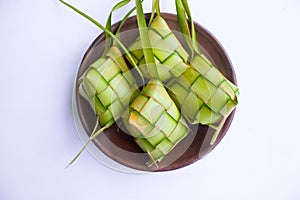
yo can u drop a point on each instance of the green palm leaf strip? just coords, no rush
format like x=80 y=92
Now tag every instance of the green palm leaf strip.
x=108 y=23
x=181 y=16
x=124 y=19
x=94 y=134
x=183 y=8
x=155 y=7
x=145 y=42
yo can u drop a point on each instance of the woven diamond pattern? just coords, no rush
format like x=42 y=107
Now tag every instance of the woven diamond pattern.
x=108 y=85
x=170 y=56
x=203 y=93
x=156 y=122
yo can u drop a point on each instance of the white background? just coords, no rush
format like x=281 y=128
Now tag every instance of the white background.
x=41 y=46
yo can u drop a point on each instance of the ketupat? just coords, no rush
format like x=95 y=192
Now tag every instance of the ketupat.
x=153 y=118
x=108 y=86
x=155 y=121
x=203 y=93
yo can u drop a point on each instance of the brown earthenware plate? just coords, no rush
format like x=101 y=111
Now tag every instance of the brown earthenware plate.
x=119 y=146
